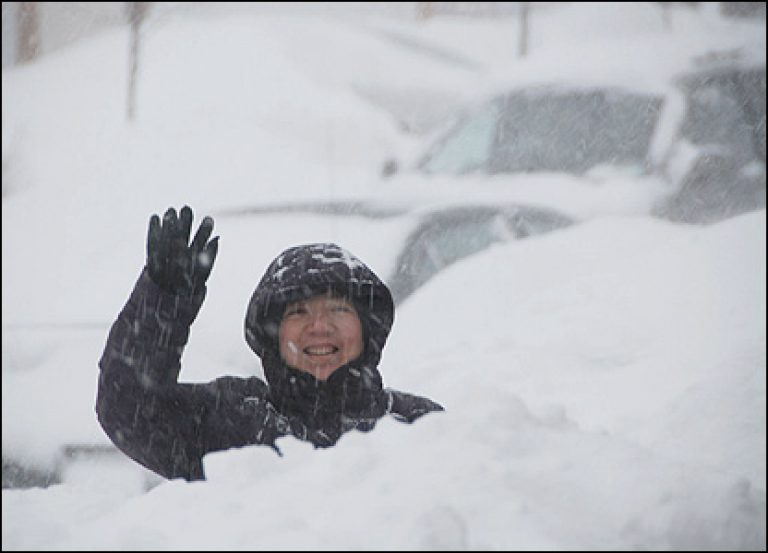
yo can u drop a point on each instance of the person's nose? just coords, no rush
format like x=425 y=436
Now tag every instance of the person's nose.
x=320 y=322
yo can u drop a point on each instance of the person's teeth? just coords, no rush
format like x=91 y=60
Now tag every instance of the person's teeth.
x=320 y=350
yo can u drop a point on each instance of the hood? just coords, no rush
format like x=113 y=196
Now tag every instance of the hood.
x=304 y=271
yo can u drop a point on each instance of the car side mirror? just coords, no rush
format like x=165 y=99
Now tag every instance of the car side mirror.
x=389 y=168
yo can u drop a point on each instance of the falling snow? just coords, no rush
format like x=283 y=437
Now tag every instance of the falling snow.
x=604 y=385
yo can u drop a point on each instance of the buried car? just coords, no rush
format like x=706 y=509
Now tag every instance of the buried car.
x=702 y=137
x=720 y=144
x=431 y=237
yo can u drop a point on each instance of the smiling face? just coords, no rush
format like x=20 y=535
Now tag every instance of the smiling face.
x=319 y=335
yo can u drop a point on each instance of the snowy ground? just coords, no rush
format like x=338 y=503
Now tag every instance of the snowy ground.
x=604 y=384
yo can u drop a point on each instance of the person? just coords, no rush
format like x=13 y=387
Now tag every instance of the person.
x=318 y=319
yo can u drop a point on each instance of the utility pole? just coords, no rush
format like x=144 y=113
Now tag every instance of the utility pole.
x=522 y=49
x=424 y=10
x=137 y=12
x=29 y=32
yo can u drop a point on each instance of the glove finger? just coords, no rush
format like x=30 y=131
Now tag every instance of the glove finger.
x=212 y=249
x=202 y=234
x=170 y=222
x=185 y=221
x=153 y=234
x=157 y=251
x=206 y=258
x=204 y=263
x=153 y=244
x=170 y=215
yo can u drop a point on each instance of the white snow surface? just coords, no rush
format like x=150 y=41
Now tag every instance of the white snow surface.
x=604 y=384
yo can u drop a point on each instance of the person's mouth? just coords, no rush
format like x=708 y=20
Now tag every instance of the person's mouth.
x=320 y=350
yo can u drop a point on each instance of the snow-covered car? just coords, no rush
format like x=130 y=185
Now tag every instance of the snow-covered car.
x=445 y=236
x=720 y=143
x=702 y=137
x=431 y=237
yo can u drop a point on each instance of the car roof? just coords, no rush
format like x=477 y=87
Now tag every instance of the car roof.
x=634 y=64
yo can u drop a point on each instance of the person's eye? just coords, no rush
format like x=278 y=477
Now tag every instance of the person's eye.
x=295 y=310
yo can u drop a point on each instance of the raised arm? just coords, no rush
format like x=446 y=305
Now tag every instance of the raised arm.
x=141 y=407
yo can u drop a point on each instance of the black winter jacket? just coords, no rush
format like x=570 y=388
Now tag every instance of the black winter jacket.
x=169 y=426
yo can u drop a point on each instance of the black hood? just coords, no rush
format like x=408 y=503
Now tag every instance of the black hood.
x=300 y=273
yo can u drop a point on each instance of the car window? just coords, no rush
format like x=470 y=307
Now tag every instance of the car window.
x=445 y=237
x=718 y=114
x=750 y=89
x=446 y=242
x=725 y=120
x=573 y=131
x=532 y=221
x=467 y=146
x=441 y=241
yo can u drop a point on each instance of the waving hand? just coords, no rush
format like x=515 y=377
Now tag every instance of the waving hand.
x=174 y=264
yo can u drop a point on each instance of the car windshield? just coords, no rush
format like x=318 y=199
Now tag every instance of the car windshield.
x=467 y=147
x=549 y=130
x=442 y=240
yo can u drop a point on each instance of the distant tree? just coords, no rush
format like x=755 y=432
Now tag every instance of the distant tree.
x=137 y=12
x=29 y=32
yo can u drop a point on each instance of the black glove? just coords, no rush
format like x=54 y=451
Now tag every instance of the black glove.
x=173 y=264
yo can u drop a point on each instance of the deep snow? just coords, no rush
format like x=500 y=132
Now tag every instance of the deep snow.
x=604 y=384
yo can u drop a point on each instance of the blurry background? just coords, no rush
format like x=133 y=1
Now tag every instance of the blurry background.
x=568 y=201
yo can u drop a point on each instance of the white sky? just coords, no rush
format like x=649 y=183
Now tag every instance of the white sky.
x=604 y=384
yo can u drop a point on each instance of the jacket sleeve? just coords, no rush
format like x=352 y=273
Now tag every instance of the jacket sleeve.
x=166 y=426
x=408 y=407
